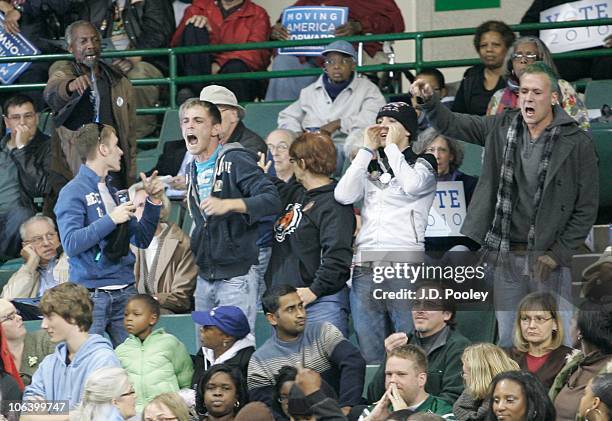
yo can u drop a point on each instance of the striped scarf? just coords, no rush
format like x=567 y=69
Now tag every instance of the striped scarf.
x=498 y=236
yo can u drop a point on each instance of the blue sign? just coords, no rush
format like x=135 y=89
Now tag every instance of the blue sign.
x=11 y=46
x=311 y=23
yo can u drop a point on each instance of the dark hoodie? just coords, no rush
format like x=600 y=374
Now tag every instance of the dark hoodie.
x=313 y=238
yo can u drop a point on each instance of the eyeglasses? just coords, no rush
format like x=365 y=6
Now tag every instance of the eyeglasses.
x=528 y=57
x=130 y=393
x=40 y=239
x=11 y=316
x=279 y=147
x=18 y=117
x=436 y=149
x=539 y=320
x=344 y=60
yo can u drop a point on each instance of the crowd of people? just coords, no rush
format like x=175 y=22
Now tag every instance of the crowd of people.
x=310 y=226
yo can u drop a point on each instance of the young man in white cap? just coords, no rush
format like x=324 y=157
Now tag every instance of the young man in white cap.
x=232 y=113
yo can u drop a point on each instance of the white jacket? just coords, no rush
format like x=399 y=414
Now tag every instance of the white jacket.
x=394 y=216
x=355 y=106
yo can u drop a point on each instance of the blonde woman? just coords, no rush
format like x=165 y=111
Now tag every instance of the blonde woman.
x=167 y=406
x=481 y=362
x=538 y=338
x=108 y=396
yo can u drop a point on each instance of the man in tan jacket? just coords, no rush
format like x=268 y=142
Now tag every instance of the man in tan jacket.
x=45 y=265
x=88 y=91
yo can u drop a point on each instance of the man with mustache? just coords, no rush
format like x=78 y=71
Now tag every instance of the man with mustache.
x=88 y=91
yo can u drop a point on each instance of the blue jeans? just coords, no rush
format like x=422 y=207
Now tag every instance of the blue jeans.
x=511 y=285
x=265 y=253
x=332 y=308
x=375 y=319
x=108 y=312
x=239 y=291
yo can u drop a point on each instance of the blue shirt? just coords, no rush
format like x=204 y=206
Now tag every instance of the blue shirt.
x=47 y=280
x=205 y=173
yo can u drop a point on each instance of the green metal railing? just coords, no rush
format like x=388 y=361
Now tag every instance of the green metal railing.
x=418 y=37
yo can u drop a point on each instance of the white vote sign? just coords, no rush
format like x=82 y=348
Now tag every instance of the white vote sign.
x=447 y=212
x=571 y=39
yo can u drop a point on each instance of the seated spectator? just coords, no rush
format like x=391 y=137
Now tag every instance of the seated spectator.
x=571 y=69
x=108 y=395
x=594 y=331
x=405 y=378
x=393 y=182
x=11 y=385
x=136 y=25
x=434 y=332
x=254 y=411
x=283 y=382
x=524 y=51
x=26 y=349
x=166 y=269
x=538 y=338
x=449 y=157
x=24 y=159
x=519 y=395
x=312 y=247
x=317 y=345
x=220 y=394
x=166 y=406
x=481 y=362
x=338 y=102
x=480 y=82
x=45 y=264
x=596 y=404
x=67 y=316
x=225 y=337
x=278 y=142
x=156 y=361
x=207 y=22
x=365 y=17
x=232 y=114
x=308 y=400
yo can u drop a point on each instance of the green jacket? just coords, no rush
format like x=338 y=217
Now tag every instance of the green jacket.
x=159 y=364
x=432 y=404
x=444 y=367
x=36 y=346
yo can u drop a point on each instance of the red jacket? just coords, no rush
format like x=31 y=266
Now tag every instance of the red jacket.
x=250 y=23
x=375 y=17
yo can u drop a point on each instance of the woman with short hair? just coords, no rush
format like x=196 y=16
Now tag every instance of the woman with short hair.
x=313 y=237
x=519 y=396
x=167 y=406
x=220 y=394
x=107 y=396
x=538 y=337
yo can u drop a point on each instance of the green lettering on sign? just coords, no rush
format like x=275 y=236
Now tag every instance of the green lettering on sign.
x=446 y=5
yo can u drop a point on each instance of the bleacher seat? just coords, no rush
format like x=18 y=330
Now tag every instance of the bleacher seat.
x=371 y=370
x=472 y=159
x=7 y=269
x=477 y=326
x=170 y=130
x=263 y=330
x=261 y=117
x=180 y=325
x=598 y=93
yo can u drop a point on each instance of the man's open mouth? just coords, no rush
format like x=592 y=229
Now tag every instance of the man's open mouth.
x=192 y=139
x=529 y=111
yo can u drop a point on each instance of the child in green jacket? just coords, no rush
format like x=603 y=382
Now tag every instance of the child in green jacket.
x=156 y=361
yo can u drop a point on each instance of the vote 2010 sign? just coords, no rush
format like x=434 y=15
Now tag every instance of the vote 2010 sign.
x=571 y=39
x=311 y=23
x=447 y=212
x=11 y=46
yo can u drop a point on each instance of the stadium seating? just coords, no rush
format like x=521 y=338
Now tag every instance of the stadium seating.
x=598 y=93
x=261 y=117
x=170 y=130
